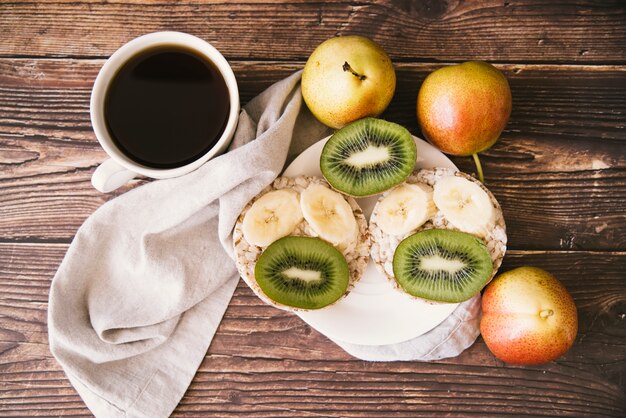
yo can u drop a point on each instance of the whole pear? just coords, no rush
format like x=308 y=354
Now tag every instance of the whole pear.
x=347 y=78
x=462 y=109
x=529 y=317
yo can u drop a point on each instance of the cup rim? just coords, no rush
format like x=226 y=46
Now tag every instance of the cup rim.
x=121 y=56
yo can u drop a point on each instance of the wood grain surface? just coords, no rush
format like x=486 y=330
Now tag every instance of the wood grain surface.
x=520 y=31
x=559 y=172
x=266 y=362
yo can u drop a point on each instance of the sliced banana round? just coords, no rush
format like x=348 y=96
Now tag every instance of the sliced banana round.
x=329 y=215
x=464 y=204
x=274 y=215
x=405 y=208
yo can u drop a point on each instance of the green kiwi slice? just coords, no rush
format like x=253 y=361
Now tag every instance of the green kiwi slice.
x=368 y=157
x=442 y=265
x=302 y=272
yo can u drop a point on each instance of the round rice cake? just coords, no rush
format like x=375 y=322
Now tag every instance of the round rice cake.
x=247 y=254
x=384 y=245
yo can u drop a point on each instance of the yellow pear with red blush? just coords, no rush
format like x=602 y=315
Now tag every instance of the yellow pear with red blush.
x=462 y=109
x=529 y=317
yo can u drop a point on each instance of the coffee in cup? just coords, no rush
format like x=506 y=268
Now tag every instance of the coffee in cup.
x=162 y=105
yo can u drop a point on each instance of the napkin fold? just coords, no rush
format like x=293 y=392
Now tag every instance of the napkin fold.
x=140 y=293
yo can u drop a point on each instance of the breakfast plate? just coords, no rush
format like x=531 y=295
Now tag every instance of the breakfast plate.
x=374 y=313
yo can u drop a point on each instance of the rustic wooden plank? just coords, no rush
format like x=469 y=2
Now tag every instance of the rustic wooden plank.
x=525 y=30
x=52 y=96
x=558 y=170
x=266 y=362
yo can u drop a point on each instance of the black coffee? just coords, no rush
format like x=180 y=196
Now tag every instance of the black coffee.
x=166 y=107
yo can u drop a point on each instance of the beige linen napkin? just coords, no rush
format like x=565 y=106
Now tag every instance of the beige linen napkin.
x=147 y=278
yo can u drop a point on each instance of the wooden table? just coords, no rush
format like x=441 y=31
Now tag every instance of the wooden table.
x=559 y=171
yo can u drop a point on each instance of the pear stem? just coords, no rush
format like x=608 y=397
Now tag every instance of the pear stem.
x=346 y=67
x=479 y=168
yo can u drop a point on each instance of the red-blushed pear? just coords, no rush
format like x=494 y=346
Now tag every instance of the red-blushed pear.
x=529 y=317
x=347 y=78
x=462 y=109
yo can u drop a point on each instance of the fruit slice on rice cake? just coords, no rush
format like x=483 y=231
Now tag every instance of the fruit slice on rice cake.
x=299 y=245
x=440 y=236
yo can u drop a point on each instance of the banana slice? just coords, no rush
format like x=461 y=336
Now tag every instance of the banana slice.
x=329 y=215
x=405 y=208
x=274 y=215
x=464 y=204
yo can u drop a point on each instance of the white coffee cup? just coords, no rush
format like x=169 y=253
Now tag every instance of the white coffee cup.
x=119 y=169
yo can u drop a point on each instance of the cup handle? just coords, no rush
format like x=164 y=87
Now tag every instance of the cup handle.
x=110 y=175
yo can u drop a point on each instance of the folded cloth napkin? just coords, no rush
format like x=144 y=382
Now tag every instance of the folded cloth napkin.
x=141 y=291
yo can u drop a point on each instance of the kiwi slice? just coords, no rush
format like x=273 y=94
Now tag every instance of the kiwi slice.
x=302 y=272
x=368 y=157
x=442 y=265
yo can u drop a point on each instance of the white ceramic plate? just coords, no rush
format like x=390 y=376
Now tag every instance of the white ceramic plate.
x=374 y=313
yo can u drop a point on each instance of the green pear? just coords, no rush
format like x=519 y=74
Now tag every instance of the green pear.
x=462 y=109
x=347 y=78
